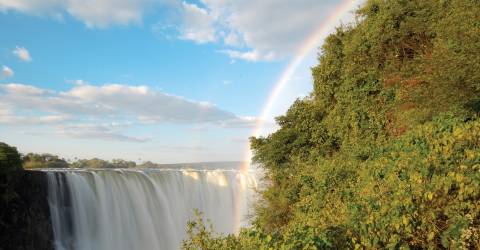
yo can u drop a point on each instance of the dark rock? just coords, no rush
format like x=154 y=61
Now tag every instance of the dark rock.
x=24 y=211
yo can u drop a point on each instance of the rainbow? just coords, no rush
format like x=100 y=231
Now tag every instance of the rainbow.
x=310 y=43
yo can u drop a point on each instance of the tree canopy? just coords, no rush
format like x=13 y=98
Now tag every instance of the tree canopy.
x=9 y=159
x=32 y=160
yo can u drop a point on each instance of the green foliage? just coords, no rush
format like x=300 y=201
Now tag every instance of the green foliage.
x=202 y=236
x=31 y=161
x=9 y=159
x=99 y=163
x=385 y=153
x=422 y=190
x=148 y=164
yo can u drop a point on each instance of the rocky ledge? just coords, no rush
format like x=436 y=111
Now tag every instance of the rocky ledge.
x=24 y=211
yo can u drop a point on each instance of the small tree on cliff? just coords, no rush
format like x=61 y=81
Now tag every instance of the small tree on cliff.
x=9 y=158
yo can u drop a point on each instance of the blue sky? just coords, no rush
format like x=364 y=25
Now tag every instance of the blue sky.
x=160 y=80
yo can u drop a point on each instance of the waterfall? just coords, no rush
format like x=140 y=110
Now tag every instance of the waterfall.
x=143 y=209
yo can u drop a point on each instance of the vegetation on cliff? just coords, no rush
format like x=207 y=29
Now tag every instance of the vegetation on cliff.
x=385 y=152
x=24 y=212
x=35 y=161
x=9 y=159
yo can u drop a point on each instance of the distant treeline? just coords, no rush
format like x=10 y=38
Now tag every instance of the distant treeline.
x=10 y=158
x=33 y=161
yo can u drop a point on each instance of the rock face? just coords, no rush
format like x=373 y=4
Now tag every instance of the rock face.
x=24 y=211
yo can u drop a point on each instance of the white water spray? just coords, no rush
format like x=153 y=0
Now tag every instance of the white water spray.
x=142 y=209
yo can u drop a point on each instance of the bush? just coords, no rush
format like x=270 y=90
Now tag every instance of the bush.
x=9 y=159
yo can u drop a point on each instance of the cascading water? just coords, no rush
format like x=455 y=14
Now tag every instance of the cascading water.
x=142 y=209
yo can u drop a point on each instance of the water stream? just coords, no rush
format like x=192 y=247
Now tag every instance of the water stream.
x=143 y=209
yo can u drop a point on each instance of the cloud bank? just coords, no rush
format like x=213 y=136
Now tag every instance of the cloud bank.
x=88 y=111
x=249 y=30
x=94 y=13
x=258 y=30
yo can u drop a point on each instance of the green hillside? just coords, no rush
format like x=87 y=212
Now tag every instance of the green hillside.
x=385 y=152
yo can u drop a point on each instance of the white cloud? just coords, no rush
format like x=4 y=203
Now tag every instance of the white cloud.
x=94 y=13
x=102 y=13
x=238 y=122
x=8 y=116
x=233 y=39
x=104 y=112
x=31 y=120
x=21 y=89
x=253 y=30
x=96 y=131
x=197 y=24
x=31 y=6
x=261 y=30
x=115 y=101
x=22 y=54
x=249 y=55
x=7 y=72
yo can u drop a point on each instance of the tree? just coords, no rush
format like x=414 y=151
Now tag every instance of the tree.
x=9 y=159
x=32 y=160
x=119 y=163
